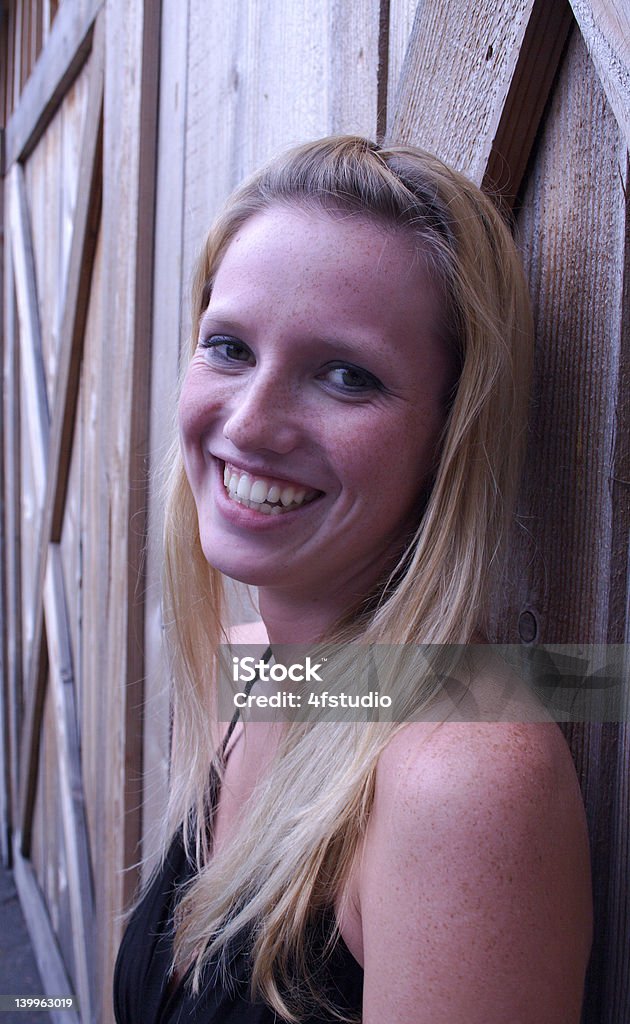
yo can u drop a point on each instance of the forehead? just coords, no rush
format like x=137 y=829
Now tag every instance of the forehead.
x=289 y=246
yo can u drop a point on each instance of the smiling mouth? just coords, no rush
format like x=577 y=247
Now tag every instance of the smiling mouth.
x=271 y=497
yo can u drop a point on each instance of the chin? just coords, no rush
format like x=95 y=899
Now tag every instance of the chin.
x=235 y=569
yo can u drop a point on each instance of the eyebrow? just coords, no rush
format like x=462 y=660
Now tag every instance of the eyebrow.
x=212 y=320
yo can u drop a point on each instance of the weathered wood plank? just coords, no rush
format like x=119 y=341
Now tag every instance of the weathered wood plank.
x=30 y=332
x=85 y=231
x=617 y=965
x=130 y=119
x=538 y=59
x=167 y=323
x=49 y=960
x=77 y=294
x=457 y=76
x=90 y=655
x=77 y=853
x=573 y=229
x=9 y=501
x=355 y=65
x=67 y=48
x=247 y=105
x=401 y=18
x=570 y=559
x=605 y=25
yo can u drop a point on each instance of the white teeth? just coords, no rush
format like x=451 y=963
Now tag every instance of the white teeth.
x=244 y=487
x=258 y=492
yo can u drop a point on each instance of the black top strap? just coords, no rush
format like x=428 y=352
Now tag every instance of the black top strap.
x=237 y=714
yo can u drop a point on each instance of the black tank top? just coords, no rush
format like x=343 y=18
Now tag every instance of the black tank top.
x=141 y=993
x=144 y=958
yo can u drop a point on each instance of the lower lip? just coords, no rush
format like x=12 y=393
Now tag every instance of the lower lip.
x=241 y=515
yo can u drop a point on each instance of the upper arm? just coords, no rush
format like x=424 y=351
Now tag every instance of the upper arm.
x=475 y=885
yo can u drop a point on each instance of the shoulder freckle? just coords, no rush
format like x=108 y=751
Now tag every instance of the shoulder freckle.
x=461 y=771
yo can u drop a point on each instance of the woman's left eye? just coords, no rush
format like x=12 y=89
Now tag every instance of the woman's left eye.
x=351 y=380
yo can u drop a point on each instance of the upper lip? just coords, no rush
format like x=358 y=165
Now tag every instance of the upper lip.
x=263 y=471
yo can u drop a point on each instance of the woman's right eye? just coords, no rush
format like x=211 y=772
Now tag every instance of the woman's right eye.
x=223 y=349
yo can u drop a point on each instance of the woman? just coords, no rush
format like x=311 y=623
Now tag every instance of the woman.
x=351 y=424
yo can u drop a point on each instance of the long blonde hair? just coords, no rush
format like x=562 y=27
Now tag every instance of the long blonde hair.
x=292 y=855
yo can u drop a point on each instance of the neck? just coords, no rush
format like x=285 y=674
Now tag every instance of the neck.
x=291 y=621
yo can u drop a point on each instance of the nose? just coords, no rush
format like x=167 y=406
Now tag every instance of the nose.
x=264 y=416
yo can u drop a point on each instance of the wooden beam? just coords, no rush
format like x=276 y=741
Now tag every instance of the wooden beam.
x=84 y=236
x=465 y=80
x=129 y=149
x=536 y=67
x=51 y=480
x=37 y=413
x=30 y=331
x=6 y=807
x=66 y=50
x=79 y=279
x=605 y=25
x=76 y=842
x=47 y=954
x=10 y=552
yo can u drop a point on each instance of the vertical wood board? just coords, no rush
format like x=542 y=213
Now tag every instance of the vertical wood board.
x=280 y=75
x=572 y=229
x=90 y=655
x=132 y=45
x=401 y=18
x=168 y=298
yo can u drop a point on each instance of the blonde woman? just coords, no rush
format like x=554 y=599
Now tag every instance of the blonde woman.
x=351 y=424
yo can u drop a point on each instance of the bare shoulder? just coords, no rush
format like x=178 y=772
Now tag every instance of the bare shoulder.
x=475 y=879
x=501 y=767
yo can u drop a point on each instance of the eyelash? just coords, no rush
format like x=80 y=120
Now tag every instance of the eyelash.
x=216 y=342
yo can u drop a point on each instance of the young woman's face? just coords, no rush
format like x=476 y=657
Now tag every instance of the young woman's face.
x=313 y=404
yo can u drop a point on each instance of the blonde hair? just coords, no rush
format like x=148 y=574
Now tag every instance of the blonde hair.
x=284 y=867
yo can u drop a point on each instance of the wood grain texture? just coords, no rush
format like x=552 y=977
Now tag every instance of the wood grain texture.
x=280 y=74
x=66 y=386
x=456 y=77
x=401 y=18
x=605 y=25
x=12 y=679
x=30 y=331
x=68 y=46
x=132 y=44
x=168 y=298
x=76 y=847
x=49 y=960
x=570 y=555
x=572 y=229
x=538 y=59
x=90 y=656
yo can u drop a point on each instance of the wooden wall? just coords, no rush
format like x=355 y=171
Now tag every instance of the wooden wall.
x=107 y=197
